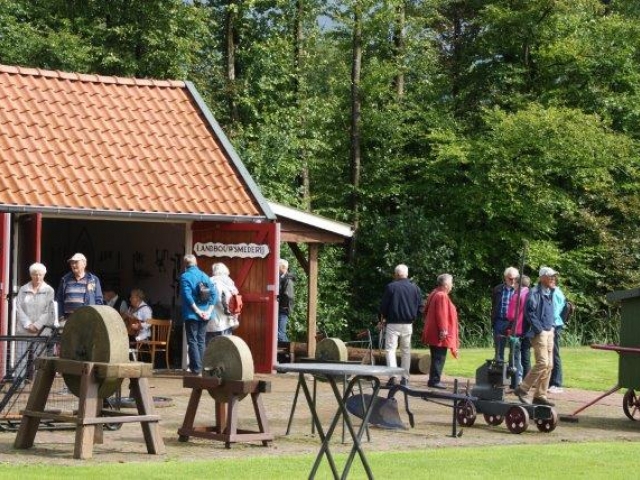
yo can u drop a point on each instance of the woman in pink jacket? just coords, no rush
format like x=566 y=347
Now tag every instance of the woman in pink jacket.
x=441 y=328
x=515 y=315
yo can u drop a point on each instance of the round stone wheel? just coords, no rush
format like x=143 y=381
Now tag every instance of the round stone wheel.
x=332 y=350
x=227 y=357
x=94 y=334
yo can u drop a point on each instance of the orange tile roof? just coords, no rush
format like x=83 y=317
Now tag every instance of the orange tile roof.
x=74 y=143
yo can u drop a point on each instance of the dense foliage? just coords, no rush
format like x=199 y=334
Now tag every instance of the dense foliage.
x=453 y=133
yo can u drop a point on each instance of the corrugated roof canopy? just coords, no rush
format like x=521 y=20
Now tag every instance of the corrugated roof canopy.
x=87 y=144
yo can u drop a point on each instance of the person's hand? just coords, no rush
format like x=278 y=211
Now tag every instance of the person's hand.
x=455 y=353
x=32 y=328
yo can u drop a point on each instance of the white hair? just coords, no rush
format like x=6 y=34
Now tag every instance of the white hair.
x=511 y=271
x=284 y=263
x=190 y=259
x=219 y=269
x=401 y=271
x=444 y=278
x=37 y=268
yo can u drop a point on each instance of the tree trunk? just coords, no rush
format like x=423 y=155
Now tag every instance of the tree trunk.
x=298 y=61
x=230 y=49
x=355 y=124
x=419 y=362
x=398 y=49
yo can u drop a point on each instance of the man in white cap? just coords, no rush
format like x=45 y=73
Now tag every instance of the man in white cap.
x=539 y=322
x=78 y=287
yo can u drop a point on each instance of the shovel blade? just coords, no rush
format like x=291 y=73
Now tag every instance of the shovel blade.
x=384 y=412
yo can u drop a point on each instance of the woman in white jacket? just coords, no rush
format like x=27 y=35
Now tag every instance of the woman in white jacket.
x=221 y=322
x=34 y=310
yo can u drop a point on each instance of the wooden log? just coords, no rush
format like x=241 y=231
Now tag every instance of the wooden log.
x=420 y=363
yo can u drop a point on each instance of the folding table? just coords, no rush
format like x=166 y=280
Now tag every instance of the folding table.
x=334 y=373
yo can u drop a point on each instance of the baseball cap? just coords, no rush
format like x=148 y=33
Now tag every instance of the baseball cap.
x=76 y=257
x=547 y=272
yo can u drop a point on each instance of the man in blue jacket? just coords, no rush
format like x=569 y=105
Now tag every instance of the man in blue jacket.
x=198 y=298
x=539 y=322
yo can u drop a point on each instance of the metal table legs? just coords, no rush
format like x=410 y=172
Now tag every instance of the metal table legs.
x=341 y=413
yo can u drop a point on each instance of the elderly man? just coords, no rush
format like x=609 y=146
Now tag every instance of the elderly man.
x=285 y=299
x=198 y=297
x=400 y=305
x=539 y=324
x=78 y=287
x=500 y=298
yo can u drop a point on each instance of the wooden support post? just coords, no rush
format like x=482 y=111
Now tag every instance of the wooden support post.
x=227 y=397
x=90 y=418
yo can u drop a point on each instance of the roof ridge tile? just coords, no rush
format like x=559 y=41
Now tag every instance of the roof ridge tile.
x=91 y=77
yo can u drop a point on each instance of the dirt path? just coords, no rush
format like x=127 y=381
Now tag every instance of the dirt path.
x=604 y=421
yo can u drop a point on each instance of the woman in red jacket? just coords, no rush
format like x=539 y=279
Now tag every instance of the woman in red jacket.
x=441 y=328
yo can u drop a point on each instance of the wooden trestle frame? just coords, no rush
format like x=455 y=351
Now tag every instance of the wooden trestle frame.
x=90 y=412
x=226 y=392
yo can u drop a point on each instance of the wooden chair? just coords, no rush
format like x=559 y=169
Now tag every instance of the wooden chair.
x=158 y=341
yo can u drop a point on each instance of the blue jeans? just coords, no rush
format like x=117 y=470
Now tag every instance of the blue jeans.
x=556 y=373
x=195 y=331
x=283 y=319
x=516 y=353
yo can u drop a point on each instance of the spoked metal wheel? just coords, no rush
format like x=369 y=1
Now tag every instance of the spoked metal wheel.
x=492 y=419
x=517 y=419
x=547 y=425
x=466 y=413
x=631 y=405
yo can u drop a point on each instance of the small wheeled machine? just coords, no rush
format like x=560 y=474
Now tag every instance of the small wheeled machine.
x=489 y=399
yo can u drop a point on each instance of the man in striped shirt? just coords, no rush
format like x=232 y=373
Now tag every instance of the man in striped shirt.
x=78 y=287
x=500 y=297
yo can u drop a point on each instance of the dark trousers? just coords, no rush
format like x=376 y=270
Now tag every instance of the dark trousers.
x=438 y=357
x=525 y=355
x=556 y=373
x=500 y=337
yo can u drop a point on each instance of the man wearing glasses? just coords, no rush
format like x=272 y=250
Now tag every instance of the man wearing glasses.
x=500 y=298
x=539 y=324
x=78 y=287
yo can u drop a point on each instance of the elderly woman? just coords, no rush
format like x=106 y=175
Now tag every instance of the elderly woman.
x=137 y=315
x=441 y=328
x=34 y=310
x=222 y=322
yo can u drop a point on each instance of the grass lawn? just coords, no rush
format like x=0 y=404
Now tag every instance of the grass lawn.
x=584 y=460
x=582 y=367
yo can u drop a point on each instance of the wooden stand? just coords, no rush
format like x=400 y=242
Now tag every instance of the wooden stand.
x=90 y=412
x=226 y=428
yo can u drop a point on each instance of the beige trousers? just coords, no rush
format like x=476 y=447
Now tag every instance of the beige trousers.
x=538 y=376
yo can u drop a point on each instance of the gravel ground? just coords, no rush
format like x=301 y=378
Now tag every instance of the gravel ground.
x=605 y=421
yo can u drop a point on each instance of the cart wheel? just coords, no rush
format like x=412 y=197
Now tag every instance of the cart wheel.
x=631 y=405
x=494 y=420
x=113 y=427
x=547 y=425
x=517 y=419
x=466 y=413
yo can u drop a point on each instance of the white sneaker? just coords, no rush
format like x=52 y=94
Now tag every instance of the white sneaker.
x=555 y=389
